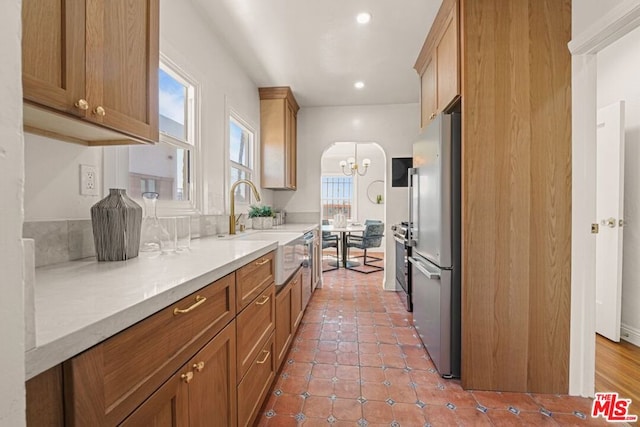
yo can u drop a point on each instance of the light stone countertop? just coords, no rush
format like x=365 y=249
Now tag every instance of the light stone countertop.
x=81 y=303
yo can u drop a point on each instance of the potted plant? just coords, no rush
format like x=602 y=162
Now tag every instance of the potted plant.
x=261 y=217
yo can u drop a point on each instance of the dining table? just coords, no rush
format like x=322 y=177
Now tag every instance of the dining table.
x=344 y=231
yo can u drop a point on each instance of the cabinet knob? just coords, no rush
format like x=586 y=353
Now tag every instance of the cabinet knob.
x=432 y=116
x=198 y=366
x=82 y=104
x=99 y=111
x=187 y=377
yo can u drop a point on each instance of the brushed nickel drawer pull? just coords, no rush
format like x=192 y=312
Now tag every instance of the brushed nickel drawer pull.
x=264 y=359
x=187 y=377
x=265 y=298
x=263 y=262
x=198 y=366
x=199 y=301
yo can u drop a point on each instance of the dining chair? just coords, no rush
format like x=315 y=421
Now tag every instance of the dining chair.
x=330 y=240
x=371 y=238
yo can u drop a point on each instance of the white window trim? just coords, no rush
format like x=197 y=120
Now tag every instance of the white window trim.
x=232 y=114
x=116 y=159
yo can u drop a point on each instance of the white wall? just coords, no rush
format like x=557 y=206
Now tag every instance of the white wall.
x=52 y=171
x=393 y=127
x=12 y=402
x=618 y=70
x=586 y=12
x=187 y=40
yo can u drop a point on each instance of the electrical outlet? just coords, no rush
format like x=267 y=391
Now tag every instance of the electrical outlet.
x=88 y=181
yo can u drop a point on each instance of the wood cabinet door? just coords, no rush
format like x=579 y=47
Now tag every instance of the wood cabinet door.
x=428 y=101
x=212 y=391
x=255 y=325
x=53 y=53
x=296 y=300
x=122 y=65
x=447 y=65
x=254 y=387
x=284 y=323
x=167 y=407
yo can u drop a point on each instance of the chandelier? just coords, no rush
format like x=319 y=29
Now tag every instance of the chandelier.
x=353 y=166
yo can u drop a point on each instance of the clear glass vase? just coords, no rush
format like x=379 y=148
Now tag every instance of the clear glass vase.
x=152 y=234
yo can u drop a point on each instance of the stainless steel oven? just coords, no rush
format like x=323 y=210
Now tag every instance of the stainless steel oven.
x=403 y=269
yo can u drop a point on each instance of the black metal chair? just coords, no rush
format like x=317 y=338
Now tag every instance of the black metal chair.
x=371 y=238
x=330 y=240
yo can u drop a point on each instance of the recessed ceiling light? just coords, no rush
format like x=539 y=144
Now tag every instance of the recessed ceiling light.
x=358 y=85
x=363 y=17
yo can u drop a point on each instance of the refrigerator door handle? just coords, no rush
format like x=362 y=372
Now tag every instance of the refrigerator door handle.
x=413 y=172
x=434 y=275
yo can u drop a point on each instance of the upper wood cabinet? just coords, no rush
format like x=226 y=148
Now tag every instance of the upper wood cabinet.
x=438 y=64
x=278 y=136
x=96 y=60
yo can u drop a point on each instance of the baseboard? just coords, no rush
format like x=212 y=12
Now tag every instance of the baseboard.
x=630 y=334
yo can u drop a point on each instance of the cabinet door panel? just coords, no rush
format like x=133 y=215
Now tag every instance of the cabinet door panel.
x=254 y=387
x=122 y=65
x=53 y=53
x=428 y=102
x=448 y=86
x=284 y=322
x=212 y=392
x=255 y=324
x=167 y=407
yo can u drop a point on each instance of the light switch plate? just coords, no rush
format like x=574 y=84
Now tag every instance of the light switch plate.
x=89 y=180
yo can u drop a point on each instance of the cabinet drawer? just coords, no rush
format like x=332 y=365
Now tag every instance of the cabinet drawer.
x=255 y=324
x=253 y=278
x=256 y=384
x=110 y=380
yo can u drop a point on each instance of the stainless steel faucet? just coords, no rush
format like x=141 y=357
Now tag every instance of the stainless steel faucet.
x=232 y=198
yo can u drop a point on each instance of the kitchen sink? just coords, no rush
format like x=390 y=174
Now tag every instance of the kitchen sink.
x=289 y=253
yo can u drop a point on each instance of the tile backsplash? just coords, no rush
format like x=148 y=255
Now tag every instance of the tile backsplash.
x=67 y=240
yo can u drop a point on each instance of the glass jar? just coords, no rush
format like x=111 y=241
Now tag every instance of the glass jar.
x=152 y=233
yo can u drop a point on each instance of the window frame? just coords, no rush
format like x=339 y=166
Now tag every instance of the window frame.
x=116 y=159
x=354 y=195
x=252 y=171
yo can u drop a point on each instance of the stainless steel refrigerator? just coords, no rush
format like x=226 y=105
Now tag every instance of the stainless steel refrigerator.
x=434 y=208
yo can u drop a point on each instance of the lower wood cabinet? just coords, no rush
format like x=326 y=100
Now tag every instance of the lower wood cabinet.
x=196 y=363
x=254 y=387
x=203 y=389
x=284 y=324
x=255 y=324
x=289 y=311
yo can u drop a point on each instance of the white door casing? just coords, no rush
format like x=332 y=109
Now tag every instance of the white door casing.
x=584 y=46
x=609 y=213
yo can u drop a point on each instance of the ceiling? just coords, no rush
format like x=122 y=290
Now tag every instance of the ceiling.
x=319 y=49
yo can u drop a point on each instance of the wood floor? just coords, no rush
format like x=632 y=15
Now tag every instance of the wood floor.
x=618 y=369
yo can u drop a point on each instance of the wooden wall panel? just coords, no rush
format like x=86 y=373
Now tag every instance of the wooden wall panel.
x=516 y=177
x=551 y=196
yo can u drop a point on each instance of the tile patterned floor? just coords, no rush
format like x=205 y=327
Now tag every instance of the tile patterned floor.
x=356 y=361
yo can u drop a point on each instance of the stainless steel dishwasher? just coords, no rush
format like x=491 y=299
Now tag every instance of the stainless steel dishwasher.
x=308 y=266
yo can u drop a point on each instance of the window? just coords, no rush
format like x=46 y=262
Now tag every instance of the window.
x=240 y=157
x=337 y=196
x=167 y=167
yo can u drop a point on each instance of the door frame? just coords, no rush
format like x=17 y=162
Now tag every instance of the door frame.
x=584 y=48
